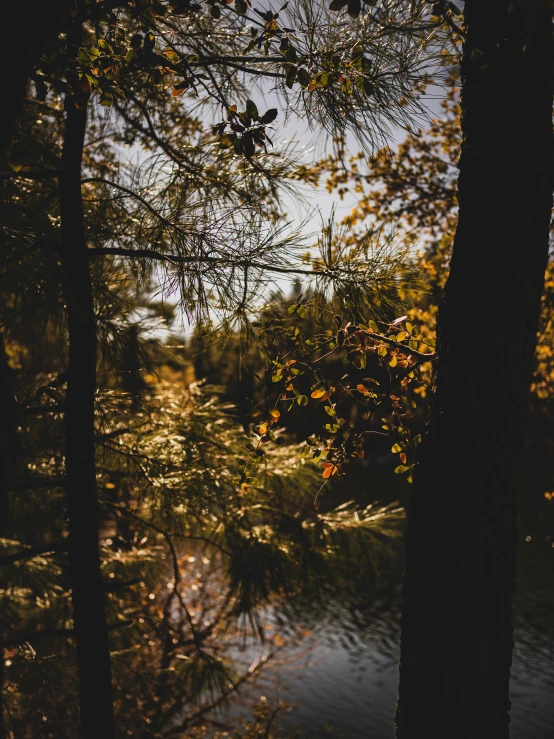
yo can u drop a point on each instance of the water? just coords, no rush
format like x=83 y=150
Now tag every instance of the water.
x=336 y=656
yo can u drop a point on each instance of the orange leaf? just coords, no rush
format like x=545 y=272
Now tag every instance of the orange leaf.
x=403 y=458
x=317 y=394
x=330 y=469
x=362 y=389
x=274 y=413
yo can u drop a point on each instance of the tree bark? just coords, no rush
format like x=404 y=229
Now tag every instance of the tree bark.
x=9 y=444
x=462 y=528
x=30 y=24
x=91 y=632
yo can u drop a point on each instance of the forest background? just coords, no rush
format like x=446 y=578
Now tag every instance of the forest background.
x=188 y=375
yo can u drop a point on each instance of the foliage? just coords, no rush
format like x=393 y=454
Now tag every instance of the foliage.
x=191 y=544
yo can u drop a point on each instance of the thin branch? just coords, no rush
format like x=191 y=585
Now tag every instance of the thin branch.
x=38 y=410
x=397 y=345
x=174 y=259
x=9 y=559
x=37 y=484
x=31 y=636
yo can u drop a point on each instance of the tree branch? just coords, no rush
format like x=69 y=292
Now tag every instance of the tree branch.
x=174 y=259
x=31 y=636
x=9 y=559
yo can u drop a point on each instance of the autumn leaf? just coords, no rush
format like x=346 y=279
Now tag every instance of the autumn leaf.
x=329 y=469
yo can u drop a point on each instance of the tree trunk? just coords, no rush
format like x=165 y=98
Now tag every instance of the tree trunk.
x=30 y=24
x=91 y=633
x=461 y=538
x=8 y=433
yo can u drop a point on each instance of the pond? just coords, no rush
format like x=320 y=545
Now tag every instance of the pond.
x=337 y=655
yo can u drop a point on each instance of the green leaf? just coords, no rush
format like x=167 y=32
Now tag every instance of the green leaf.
x=304 y=77
x=149 y=42
x=252 y=110
x=330 y=410
x=269 y=116
x=321 y=79
x=369 y=87
x=16 y=156
x=302 y=399
x=396 y=448
x=291 y=55
x=373 y=327
x=250 y=46
x=83 y=57
x=354 y=8
x=291 y=77
x=401 y=469
x=248 y=144
x=241 y=7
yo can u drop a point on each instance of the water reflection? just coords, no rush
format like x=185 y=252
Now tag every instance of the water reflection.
x=337 y=659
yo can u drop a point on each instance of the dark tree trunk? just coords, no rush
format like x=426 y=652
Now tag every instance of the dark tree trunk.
x=8 y=432
x=461 y=537
x=91 y=633
x=30 y=24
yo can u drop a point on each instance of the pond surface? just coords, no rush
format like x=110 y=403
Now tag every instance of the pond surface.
x=337 y=656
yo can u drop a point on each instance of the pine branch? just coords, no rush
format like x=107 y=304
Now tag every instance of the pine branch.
x=9 y=559
x=32 y=636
